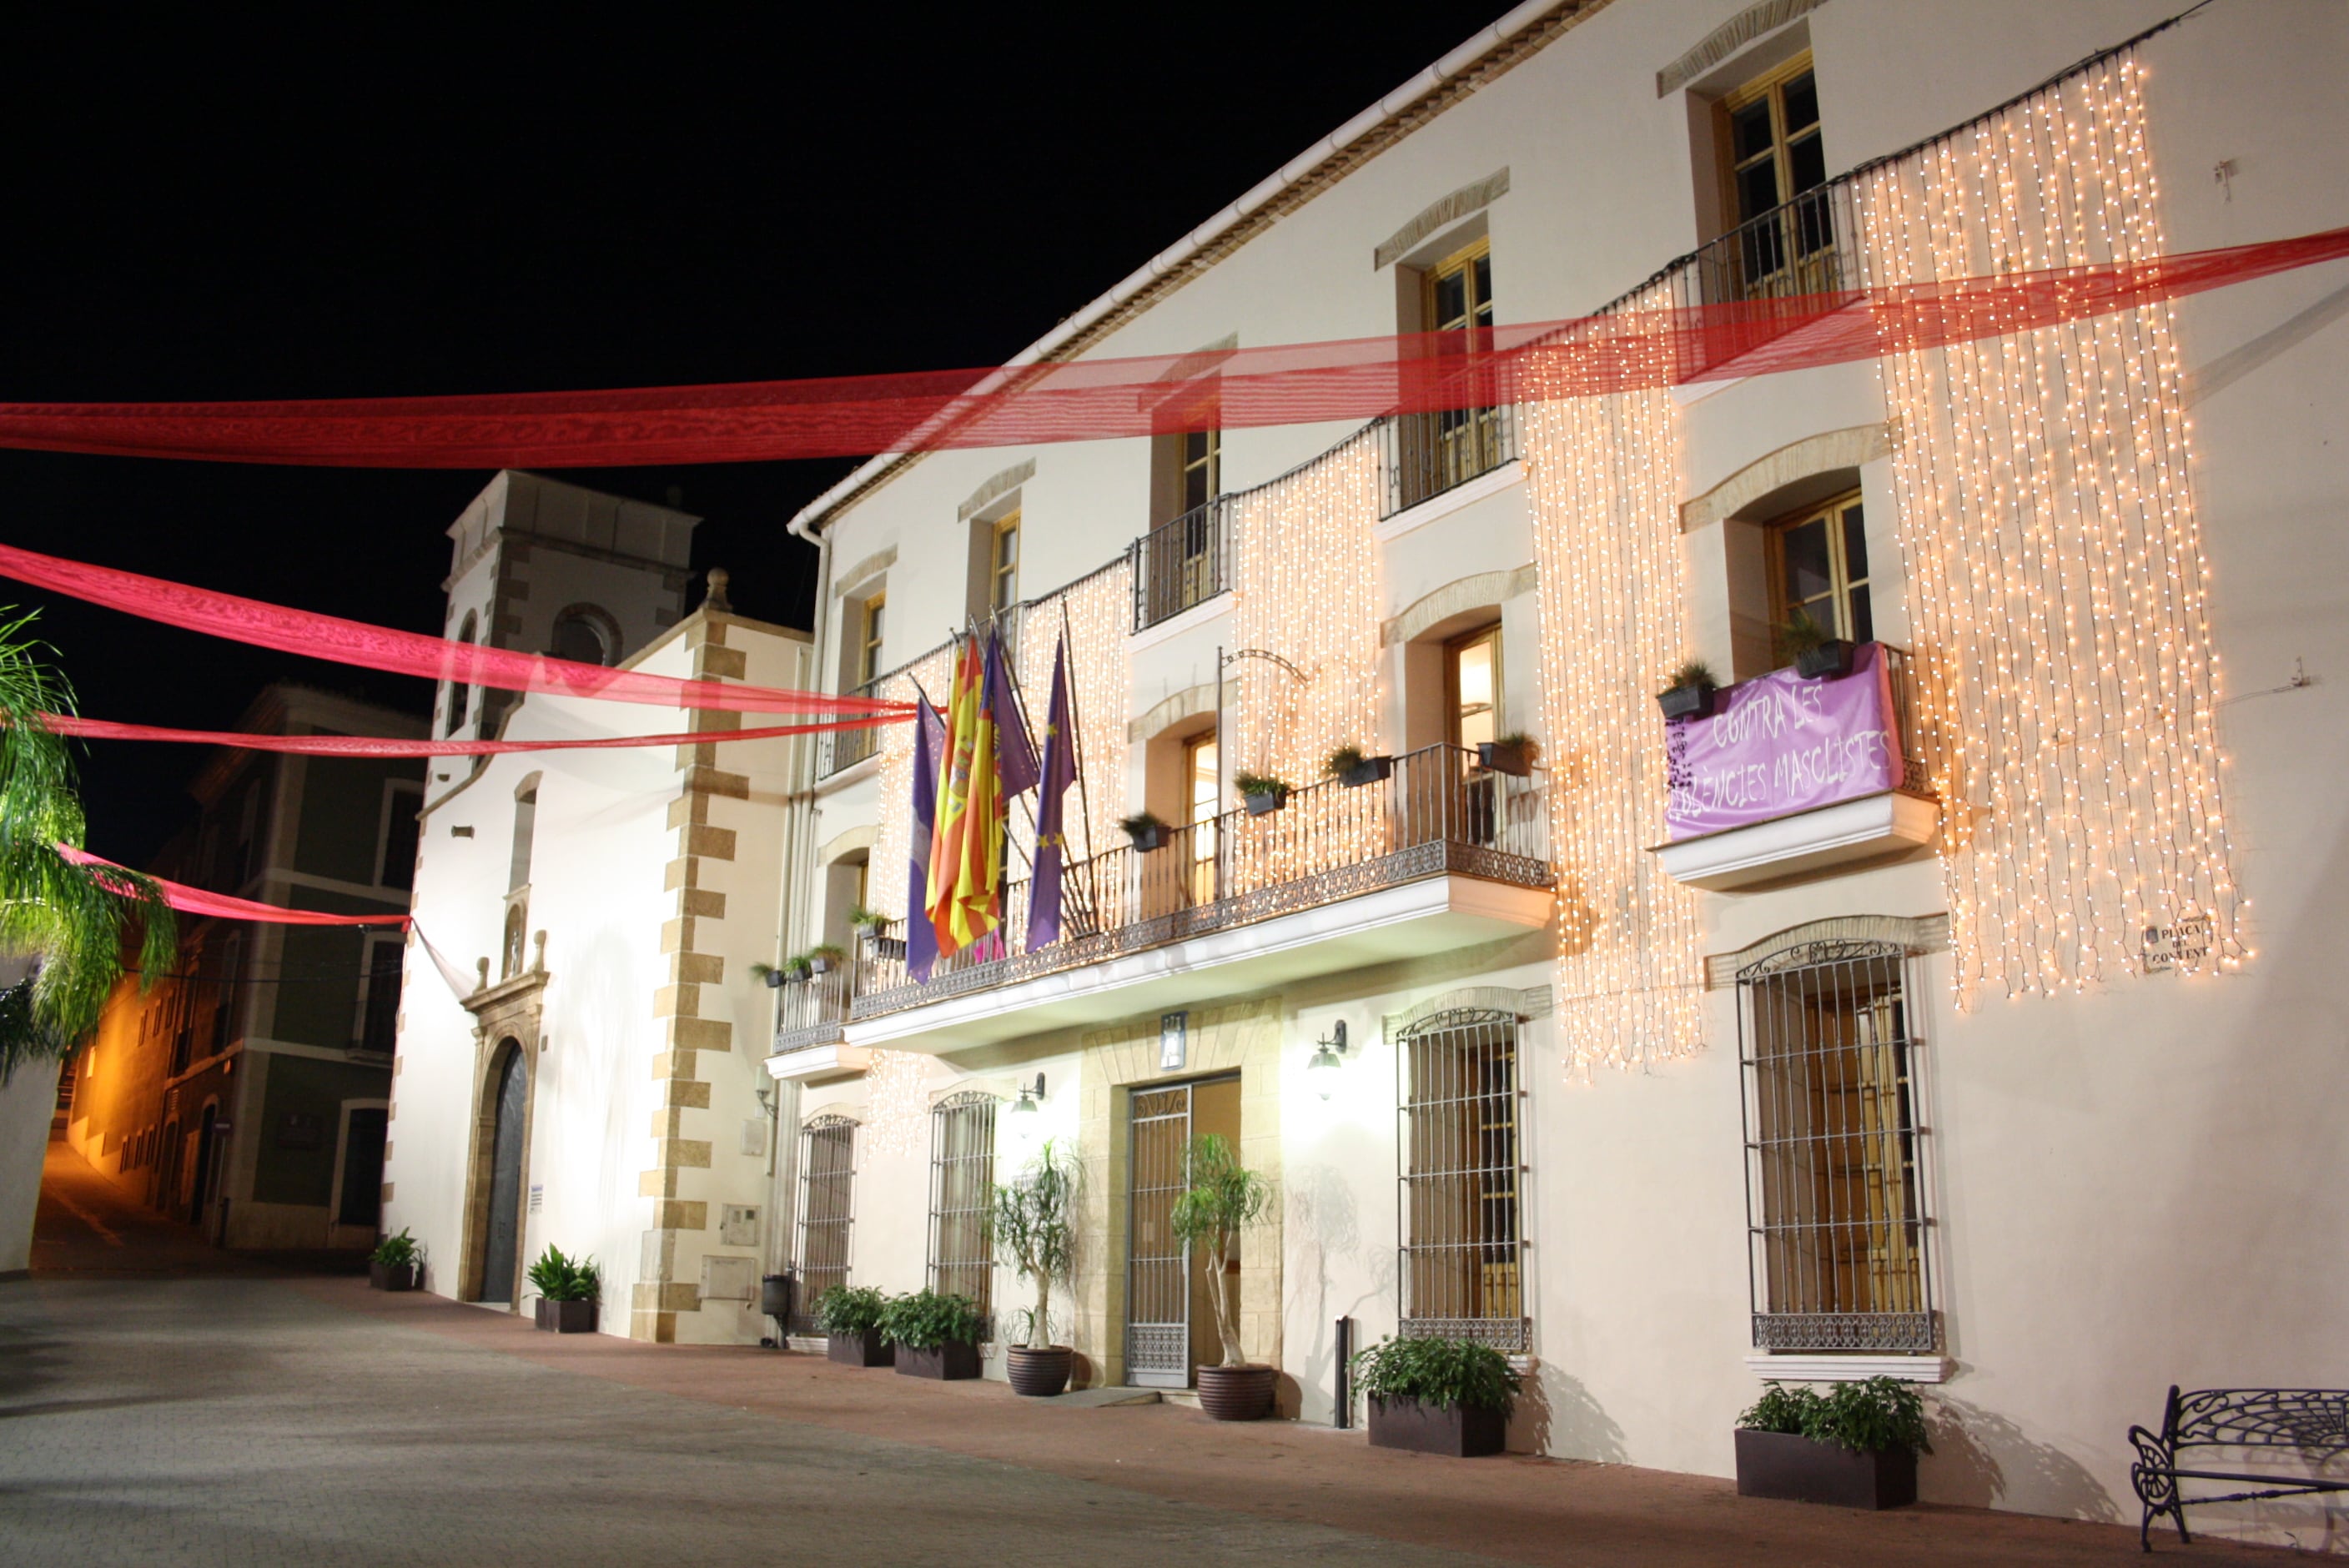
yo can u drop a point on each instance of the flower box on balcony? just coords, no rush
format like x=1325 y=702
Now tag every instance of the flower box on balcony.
x=1830 y=658
x=1512 y=754
x=1686 y=701
x=1263 y=803
x=1147 y=831
x=1369 y=770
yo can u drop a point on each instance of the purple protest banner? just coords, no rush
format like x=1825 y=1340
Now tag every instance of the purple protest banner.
x=1781 y=744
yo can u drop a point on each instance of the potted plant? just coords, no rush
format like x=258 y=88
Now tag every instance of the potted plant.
x=1815 y=650
x=397 y=1263
x=1514 y=753
x=1437 y=1396
x=1689 y=694
x=1224 y=1198
x=1351 y=768
x=1035 y=1233
x=768 y=974
x=826 y=956
x=868 y=924
x=1855 y=1446
x=850 y=1316
x=935 y=1336
x=1264 y=794
x=1146 y=829
x=567 y=1288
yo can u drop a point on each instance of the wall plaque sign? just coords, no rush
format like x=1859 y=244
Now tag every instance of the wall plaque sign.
x=2170 y=948
x=1781 y=744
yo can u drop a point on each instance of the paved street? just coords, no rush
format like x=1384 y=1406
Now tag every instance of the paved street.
x=243 y=1413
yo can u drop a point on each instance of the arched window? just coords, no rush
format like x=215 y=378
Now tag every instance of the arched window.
x=582 y=635
x=460 y=694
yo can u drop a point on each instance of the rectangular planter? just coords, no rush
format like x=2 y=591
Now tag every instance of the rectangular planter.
x=1369 y=770
x=390 y=1276
x=566 y=1317
x=946 y=1362
x=1800 y=1470
x=1451 y=1429
x=1267 y=803
x=1829 y=658
x=864 y=1349
x=1686 y=702
x=1515 y=760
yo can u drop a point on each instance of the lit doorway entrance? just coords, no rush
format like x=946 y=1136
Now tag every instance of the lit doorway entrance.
x=1170 y=1319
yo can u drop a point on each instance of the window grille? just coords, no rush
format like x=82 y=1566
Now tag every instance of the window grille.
x=962 y=1188
x=1462 y=1268
x=827 y=1211
x=1835 y=1208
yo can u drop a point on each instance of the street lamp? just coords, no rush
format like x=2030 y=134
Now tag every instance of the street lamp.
x=1328 y=1056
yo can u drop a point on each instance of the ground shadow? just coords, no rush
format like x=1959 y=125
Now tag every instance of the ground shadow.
x=1556 y=1415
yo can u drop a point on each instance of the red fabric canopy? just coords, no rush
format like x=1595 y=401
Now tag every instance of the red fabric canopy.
x=196 y=901
x=374 y=746
x=1099 y=398
x=403 y=653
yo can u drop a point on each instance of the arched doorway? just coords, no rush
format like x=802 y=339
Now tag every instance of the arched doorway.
x=501 y=1233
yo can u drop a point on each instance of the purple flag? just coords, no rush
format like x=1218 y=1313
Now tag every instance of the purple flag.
x=1051 y=843
x=1015 y=758
x=930 y=745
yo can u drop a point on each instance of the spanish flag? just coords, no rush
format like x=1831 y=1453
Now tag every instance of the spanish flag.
x=966 y=893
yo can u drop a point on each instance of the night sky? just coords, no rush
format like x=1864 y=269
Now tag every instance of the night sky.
x=202 y=205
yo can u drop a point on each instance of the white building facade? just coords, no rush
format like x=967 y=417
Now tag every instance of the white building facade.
x=1995 y=1080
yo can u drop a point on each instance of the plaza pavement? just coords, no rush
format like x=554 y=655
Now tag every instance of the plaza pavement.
x=161 y=1404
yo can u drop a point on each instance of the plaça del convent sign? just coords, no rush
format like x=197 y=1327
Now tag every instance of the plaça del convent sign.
x=2185 y=945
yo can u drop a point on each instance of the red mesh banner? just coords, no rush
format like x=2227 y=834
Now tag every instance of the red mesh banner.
x=1099 y=398
x=402 y=653
x=196 y=901
x=374 y=746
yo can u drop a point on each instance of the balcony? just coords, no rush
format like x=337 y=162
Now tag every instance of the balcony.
x=1866 y=828
x=1425 y=455
x=1804 y=247
x=1183 y=564
x=1439 y=855
x=844 y=749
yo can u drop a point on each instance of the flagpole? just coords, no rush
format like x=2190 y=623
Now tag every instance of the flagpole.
x=1084 y=899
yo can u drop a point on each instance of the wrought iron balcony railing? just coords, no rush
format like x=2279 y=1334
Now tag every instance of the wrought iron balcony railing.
x=810 y=1011
x=1427 y=454
x=1435 y=812
x=1182 y=564
x=844 y=749
x=1804 y=247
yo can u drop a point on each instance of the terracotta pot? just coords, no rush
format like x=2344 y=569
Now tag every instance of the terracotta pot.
x=953 y=1360
x=1686 y=702
x=566 y=1317
x=1267 y=802
x=1040 y=1374
x=865 y=1349
x=1237 y=1393
x=1802 y=1469
x=391 y=1276
x=1829 y=658
x=1517 y=760
x=1452 y=1430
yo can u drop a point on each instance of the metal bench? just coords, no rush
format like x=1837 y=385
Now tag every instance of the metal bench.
x=2311 y=1423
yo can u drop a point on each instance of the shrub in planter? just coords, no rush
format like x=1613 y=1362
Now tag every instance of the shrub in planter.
x=1855 y=1446
x=825 y=957
x=1147 y=831
x=1264 y=794
x=850 y=1316
x=397 y=1263
x=1225 y=1199
x=935 y=1336
x=1815 y=649
x=567 y=1289
x=1351 y=768
x=1437 y=1396
x=1035 y=1233
x=1689 y=694
x=1513 y=753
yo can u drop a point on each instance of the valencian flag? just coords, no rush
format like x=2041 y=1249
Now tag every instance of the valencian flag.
x=1051 y=843
x=929 y=746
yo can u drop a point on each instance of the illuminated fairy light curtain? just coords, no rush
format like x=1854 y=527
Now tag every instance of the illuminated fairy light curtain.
x=2068 y=678
x=897 y=1102
x=886 y=885
x=1306 y=587
x=1602 y=483
x=1097 y=609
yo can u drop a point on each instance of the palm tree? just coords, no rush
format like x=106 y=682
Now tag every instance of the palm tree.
x=67 y=919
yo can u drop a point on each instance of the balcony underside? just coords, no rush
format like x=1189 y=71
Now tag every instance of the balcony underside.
x=1847 y=834
x=1433 y=914
x=814 y=1064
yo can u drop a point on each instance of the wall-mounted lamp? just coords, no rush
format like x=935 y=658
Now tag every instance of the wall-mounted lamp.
x=1031 y=1101
x=1328 y=1056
